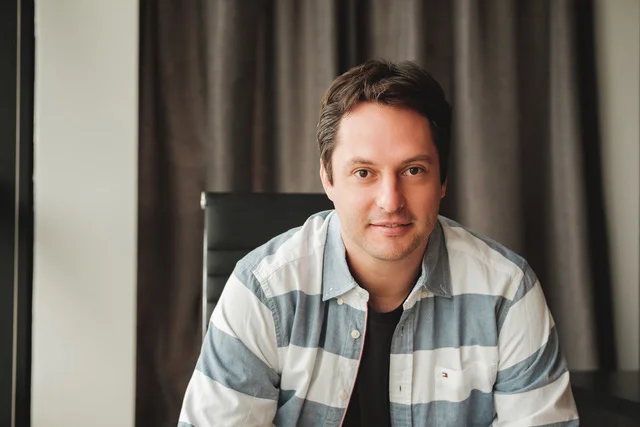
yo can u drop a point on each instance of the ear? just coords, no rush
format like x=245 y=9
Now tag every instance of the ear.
x=443 y=189
x=324 y=178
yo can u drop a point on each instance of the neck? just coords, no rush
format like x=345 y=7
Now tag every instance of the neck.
x=388 y=282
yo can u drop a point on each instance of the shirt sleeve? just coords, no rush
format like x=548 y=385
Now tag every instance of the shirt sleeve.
x=532 y=386
x=235 y=382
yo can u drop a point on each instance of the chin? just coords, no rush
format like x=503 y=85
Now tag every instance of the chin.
x=391 y=257
x=391 y=253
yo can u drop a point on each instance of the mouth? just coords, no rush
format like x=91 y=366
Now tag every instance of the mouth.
x=392 y=224
x=392 y=229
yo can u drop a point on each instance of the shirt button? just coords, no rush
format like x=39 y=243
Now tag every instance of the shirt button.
x=355 y=334
x=343 y=395
x=340 y=301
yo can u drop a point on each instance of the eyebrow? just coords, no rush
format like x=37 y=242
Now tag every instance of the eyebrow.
x=421 y=158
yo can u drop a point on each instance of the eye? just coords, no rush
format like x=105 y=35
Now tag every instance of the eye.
x=413 y=171
x=362 y=173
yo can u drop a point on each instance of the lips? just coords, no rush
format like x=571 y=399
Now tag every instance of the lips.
x=392 y=229
x=391 y=224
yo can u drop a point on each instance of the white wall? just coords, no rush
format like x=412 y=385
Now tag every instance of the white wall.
x=618 y=52
x=84 y=296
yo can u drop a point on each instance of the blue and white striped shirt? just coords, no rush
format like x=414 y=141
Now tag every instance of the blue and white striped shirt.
x=476 y=344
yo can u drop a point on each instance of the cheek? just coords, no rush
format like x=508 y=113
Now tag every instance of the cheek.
x=353 y=203
x=425 y=200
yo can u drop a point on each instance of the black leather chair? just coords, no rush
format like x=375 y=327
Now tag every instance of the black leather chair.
x=237 y=223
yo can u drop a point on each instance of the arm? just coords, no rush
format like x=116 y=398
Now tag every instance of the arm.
x=532 y=386
x=235 y=382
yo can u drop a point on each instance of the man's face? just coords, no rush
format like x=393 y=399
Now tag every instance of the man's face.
x=386 y=182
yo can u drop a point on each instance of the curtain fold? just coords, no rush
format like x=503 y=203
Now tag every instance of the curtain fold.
x=230 y=93
x=172 y=137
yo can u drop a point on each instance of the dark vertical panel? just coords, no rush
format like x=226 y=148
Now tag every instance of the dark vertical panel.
x=598 y=239
x=533 y=41
x=8 y=169
x=16 y=207
x=352 y=28
x=173 y=121
x=25 y=212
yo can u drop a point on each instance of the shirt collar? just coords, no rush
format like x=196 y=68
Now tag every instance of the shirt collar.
x=436 y=275
x=337 y=279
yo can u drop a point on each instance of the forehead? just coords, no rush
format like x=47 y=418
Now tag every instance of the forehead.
x=382 y=133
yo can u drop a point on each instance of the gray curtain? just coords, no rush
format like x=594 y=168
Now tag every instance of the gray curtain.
x=230 y=92
x=520 y=151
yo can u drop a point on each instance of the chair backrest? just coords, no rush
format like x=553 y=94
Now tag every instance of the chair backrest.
x=237 y=223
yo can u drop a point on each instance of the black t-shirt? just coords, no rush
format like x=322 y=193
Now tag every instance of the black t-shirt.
x=369 y=404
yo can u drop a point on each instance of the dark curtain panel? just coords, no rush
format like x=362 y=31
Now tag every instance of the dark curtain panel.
x=172 y=168
x=230 y=92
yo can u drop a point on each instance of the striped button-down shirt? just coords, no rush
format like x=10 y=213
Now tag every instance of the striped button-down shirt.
x=476 y=344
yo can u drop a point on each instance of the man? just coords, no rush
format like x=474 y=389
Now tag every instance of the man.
x=381 y=313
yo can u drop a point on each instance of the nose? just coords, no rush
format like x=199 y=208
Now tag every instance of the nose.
x=390 y=197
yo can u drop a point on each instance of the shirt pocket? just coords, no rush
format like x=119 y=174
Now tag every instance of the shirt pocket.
x=465 y=397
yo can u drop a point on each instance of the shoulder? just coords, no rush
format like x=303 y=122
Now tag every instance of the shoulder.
x=482 y=265
x=296 y=252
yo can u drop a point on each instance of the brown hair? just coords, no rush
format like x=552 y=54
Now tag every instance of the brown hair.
x=403 y=84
